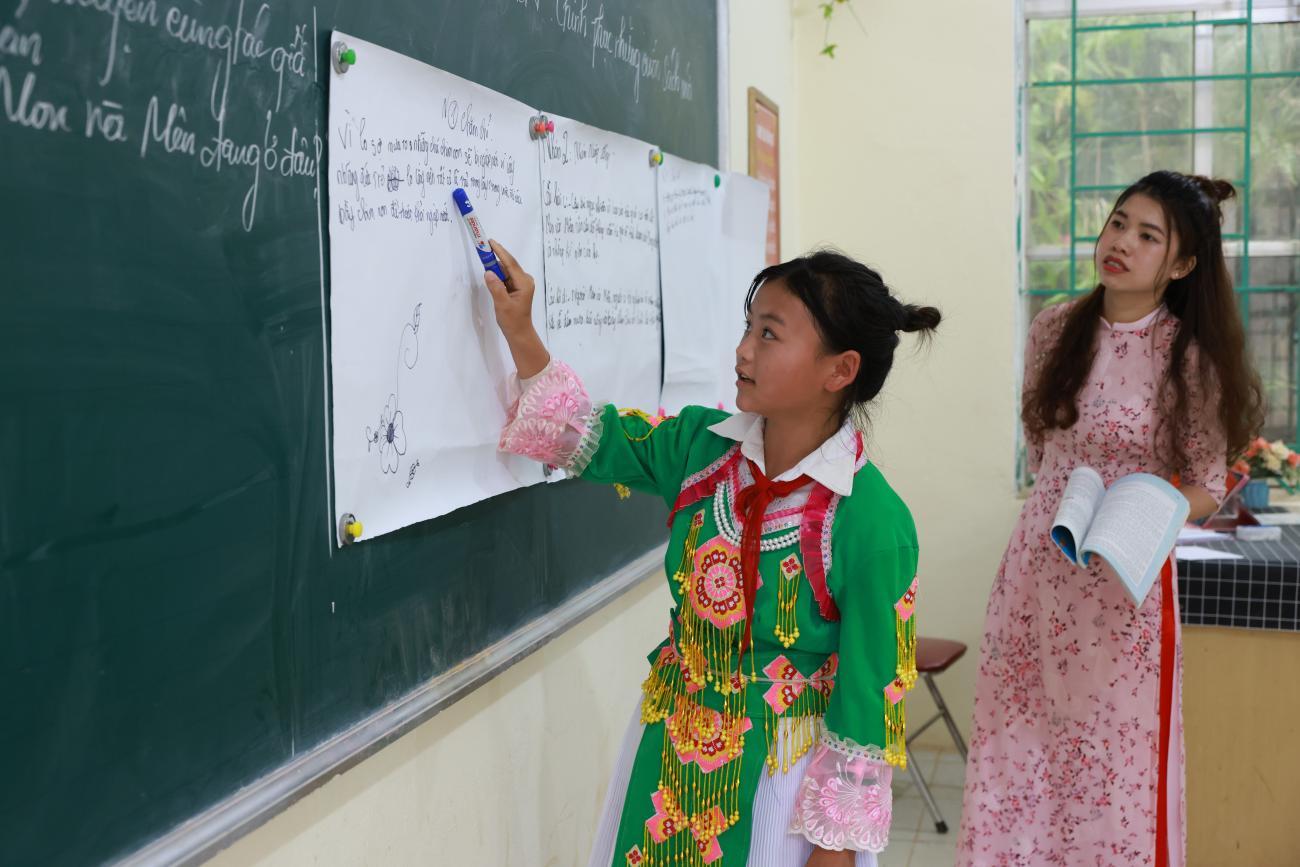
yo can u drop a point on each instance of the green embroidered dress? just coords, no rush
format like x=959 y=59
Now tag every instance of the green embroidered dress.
x=832 y=638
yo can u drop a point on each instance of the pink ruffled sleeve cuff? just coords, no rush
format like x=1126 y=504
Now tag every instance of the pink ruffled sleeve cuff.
x=553 y=421
x=845 y=801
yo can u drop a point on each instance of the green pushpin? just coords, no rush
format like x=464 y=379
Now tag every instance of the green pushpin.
x=717 y=181
x=344 y=57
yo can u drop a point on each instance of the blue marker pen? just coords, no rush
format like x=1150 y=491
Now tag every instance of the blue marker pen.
x=485 y=254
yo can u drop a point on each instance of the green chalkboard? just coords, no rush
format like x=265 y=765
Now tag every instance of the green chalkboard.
x=175 y=621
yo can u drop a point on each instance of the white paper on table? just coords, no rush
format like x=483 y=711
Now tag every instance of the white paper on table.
x=745 y=203
x=1278 y=519
x=692 y=270
x=1192 y=533
x=601 y=240
x=1196 y=552
x=421 y=375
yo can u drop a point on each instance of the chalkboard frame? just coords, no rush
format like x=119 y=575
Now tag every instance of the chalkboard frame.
x=204 y=835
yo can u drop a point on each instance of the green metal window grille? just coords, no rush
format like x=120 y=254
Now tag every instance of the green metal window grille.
x=1110 y=97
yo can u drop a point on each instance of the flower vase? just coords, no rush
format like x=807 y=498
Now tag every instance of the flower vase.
x=1255 y=494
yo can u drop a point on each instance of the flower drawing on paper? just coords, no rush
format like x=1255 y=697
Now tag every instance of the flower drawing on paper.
x=389 y=438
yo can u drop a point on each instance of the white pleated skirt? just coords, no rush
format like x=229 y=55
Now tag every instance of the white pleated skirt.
x=771 y=843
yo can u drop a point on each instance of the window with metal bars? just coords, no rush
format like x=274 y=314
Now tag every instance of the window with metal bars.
x=1113 y=89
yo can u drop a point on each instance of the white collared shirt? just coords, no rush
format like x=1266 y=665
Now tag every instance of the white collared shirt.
x=833 y=463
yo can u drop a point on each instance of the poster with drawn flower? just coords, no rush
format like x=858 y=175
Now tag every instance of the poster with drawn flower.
x=421 y=377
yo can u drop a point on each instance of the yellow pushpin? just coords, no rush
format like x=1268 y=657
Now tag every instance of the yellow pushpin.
x=656 y=157
x=350 y=529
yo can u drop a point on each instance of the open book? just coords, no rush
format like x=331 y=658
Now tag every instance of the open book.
x=1132 y=526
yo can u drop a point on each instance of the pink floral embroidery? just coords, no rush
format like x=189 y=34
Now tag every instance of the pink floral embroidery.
x=692 y=659
x=824 y=678
x=844 y=800
x=669 y=819
x=553 y=421
x=706 y=737
x=536 y=438
x=717 y=591
x=781 y=695
x=708 y=845
x=906 y=605
x=895 y=691
x=562 y=408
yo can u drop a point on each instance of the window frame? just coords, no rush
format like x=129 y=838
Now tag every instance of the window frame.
x=1207 y=14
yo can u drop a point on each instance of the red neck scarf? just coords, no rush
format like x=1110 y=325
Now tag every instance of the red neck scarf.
x=752 y=504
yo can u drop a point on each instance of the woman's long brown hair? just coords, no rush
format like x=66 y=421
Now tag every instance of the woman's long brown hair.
x=1206 y=307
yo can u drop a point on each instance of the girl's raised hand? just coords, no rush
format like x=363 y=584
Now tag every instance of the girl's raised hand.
x=513 y=299
x=513 y=303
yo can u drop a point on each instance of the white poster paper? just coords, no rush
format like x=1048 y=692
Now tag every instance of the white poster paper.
x=744 y=240
x=693 y=273
x=421 y=375
x=601 y=243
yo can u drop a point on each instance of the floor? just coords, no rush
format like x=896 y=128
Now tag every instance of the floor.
x=913 y=842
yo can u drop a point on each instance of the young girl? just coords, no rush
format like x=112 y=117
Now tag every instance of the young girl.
x=792 y=567
x=1076 y=755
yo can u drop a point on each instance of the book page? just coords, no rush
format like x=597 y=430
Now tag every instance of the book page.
x=1075 y=514
x=1135 y=528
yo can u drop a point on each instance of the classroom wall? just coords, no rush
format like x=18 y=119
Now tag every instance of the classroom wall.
x=908 y=163
x=763 y=55
x=516 y=772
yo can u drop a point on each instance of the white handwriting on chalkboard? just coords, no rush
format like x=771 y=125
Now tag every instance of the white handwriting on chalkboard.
x=237 y=41
x=572 y=16
x=105 y=119
x=132 y=11
x=170 y=128
x=29 y=110
x=172 y=135
x=15 y=43
x=574 y=20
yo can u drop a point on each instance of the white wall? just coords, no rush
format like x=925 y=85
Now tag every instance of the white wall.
x=763 y=55
x=907 y=162
x=516 y=772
